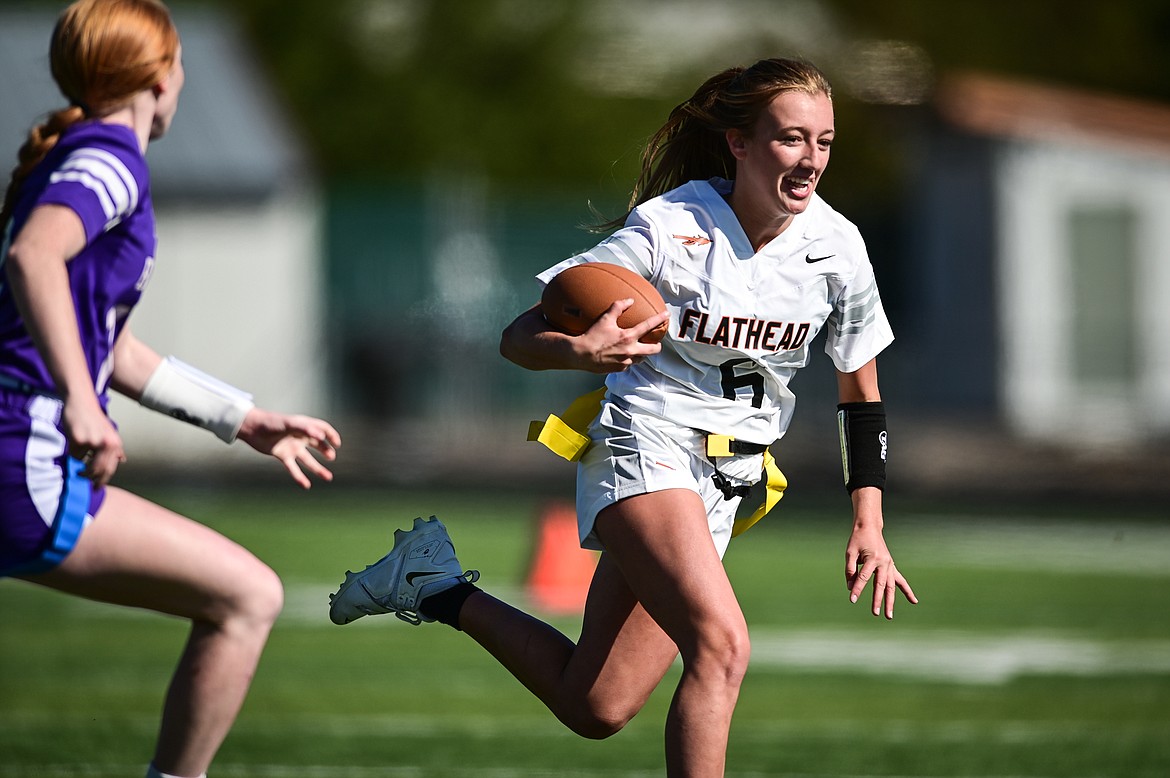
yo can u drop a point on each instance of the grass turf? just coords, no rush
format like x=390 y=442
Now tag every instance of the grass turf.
x=1041 y=649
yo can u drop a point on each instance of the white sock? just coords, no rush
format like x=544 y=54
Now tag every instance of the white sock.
x=154 y=772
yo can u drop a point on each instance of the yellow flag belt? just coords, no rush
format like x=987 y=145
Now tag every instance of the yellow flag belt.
x=565 y=435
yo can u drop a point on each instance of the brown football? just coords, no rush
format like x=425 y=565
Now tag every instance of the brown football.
x=578 y=295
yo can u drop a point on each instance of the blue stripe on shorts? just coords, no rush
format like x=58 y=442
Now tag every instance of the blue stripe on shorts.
x=73 y=513
x=71 y=516
x=45 y=502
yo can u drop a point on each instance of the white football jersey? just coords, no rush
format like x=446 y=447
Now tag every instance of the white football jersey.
x=740 y=321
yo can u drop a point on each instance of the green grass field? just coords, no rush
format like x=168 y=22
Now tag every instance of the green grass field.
x=1041 y=649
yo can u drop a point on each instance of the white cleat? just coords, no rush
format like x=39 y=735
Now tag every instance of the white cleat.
x=421 y=563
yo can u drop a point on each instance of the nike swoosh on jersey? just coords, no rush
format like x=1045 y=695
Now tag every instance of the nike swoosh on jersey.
x=810 y=258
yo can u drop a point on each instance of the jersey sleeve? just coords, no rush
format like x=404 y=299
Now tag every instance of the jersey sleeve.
x=632 y=247
x=857 y=329
x=101 y=185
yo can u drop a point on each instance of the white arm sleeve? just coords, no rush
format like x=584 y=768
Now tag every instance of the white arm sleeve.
x=188 y=394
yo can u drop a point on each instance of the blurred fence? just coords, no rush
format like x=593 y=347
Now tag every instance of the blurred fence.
x=422 y=279
x=420 y=284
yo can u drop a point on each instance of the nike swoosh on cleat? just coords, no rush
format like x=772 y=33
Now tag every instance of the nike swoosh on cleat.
x=412 y=577
x=810 y=259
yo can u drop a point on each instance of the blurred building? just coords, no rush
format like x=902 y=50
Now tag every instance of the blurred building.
x=1023 y=275
x=1038 y=254
x=237 y=286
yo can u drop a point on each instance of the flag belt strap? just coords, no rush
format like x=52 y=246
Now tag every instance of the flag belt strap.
x=566 y=436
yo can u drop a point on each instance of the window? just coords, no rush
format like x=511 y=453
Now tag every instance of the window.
x=1103 y=262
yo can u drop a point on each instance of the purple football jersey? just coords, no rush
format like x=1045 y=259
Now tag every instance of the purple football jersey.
x=98 y=171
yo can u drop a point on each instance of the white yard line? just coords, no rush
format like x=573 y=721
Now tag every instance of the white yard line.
x=959 y=657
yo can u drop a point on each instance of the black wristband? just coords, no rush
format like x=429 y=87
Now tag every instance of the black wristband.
x=862 y=428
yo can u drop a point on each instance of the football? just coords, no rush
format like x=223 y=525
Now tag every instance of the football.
x=578 y=295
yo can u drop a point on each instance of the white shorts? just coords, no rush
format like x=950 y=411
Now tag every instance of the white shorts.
x=634 y=453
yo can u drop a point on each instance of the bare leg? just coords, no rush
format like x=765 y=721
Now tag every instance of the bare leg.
x=663 y=546
x=138 y=554
x=596 y=686
x=659 y=590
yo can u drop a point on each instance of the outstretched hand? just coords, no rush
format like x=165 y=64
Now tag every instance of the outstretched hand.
x=297 y=441
x=867 y=557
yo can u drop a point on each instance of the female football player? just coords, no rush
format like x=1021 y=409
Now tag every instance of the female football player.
x=752 y=263
x=79 y=248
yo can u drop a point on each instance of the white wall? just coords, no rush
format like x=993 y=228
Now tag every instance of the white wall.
x=238 y=292
x=1038 y=187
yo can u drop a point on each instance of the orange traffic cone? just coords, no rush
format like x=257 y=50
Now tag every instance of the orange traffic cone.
x=560 y=572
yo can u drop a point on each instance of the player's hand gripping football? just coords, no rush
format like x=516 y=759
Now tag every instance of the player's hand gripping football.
x=296 y=441
x=606 y=347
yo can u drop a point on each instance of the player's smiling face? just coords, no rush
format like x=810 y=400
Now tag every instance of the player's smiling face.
x=780 y=164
